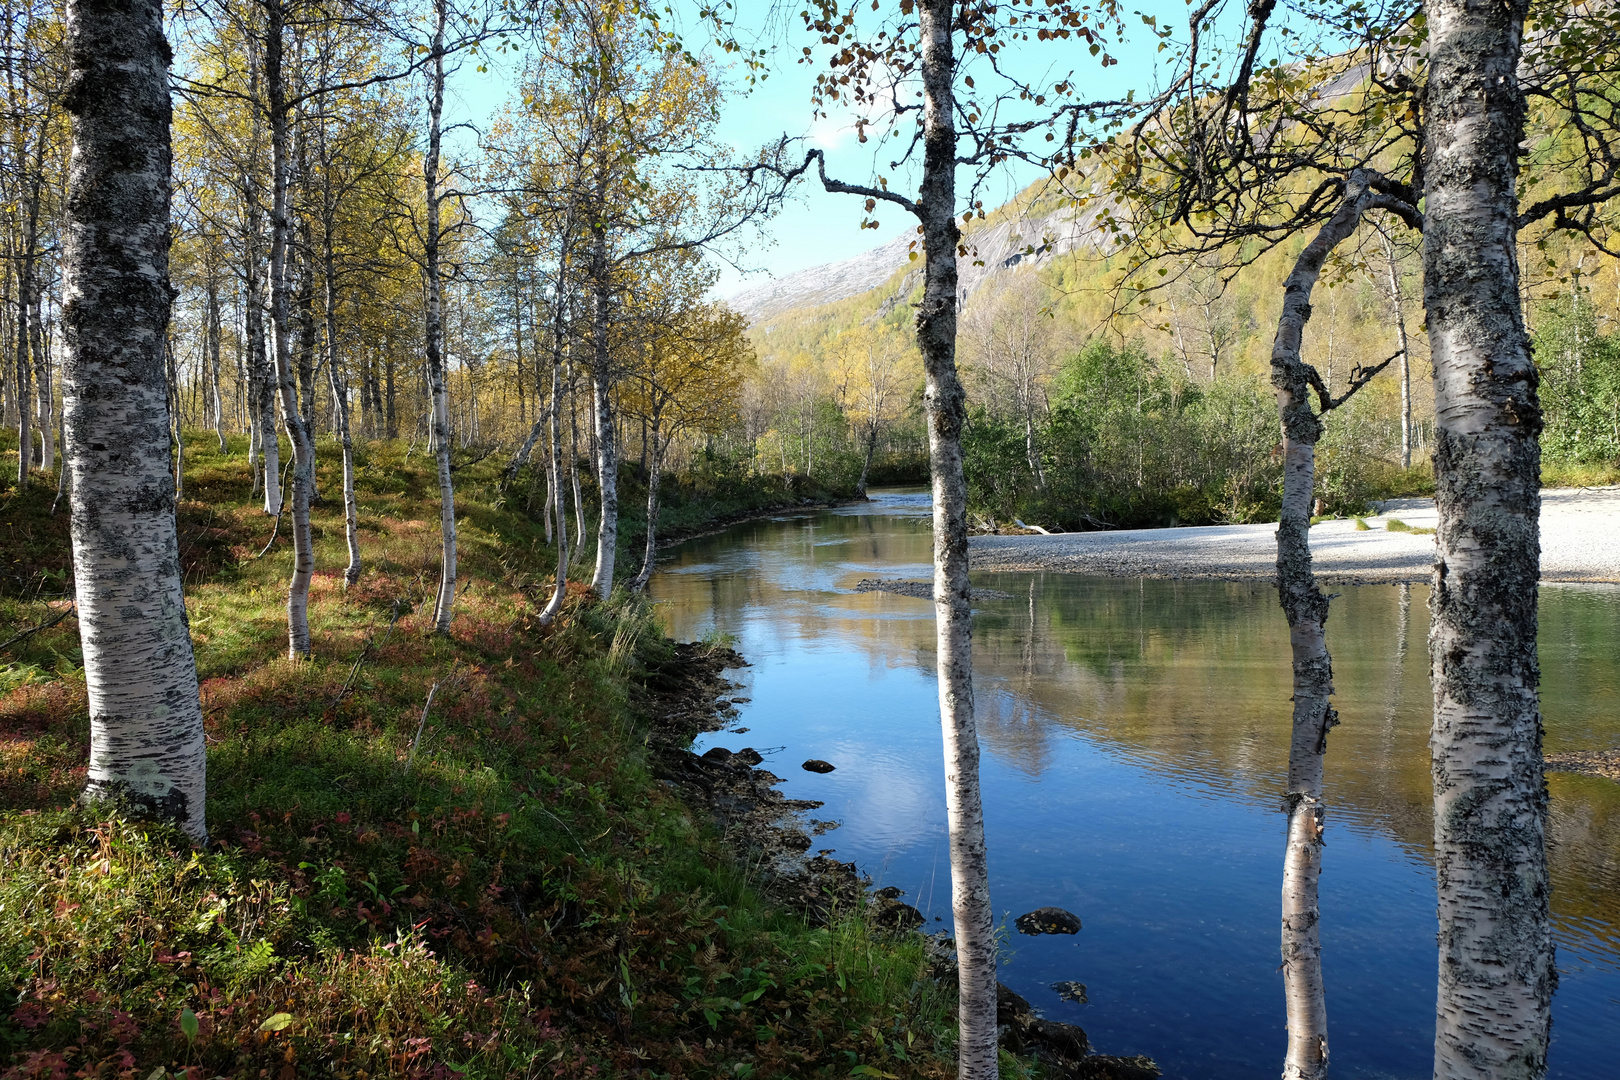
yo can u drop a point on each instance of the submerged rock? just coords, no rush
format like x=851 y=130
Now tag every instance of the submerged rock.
x=1048 y=920
x=1069 y=990
x=1108 y=1067
x=817 y=765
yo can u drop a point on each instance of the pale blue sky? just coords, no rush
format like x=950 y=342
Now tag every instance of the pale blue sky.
x=817 y=227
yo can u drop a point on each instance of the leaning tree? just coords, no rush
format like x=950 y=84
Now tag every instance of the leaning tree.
x=1307 y=121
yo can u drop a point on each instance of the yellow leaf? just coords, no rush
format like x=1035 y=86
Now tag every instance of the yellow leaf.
x=278 y=1022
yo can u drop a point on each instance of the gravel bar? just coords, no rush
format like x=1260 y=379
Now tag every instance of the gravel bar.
x=1580 y=541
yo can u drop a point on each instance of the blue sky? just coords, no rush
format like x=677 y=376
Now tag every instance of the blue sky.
x=817 y=227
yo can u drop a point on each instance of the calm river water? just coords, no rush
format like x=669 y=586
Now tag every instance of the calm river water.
x=1135 y=737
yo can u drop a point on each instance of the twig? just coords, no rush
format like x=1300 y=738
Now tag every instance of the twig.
x=411 y=758
x=42 y=626
x=364 y=649
x=279 y=510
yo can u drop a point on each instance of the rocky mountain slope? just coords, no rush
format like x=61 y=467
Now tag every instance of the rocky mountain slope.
x=1025 y=233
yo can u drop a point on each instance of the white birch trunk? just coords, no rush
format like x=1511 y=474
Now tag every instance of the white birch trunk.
x=1306 y=608
x=946 y=406
x=607 y=456
x=655 y=476
x=298 y=639
x=1397 y=301
x=435 y=338
x=1492 y=1017
x=146 y=724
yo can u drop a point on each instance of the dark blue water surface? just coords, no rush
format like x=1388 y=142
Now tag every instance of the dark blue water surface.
x=1135 y=737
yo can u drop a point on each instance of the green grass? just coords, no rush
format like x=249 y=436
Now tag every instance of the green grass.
x=520 y=898
x=1396 y=525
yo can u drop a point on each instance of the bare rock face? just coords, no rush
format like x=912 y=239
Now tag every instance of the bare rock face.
x=1048 y=920
x=817 y=765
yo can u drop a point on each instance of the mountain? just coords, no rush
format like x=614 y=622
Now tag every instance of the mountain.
x=1025 y=233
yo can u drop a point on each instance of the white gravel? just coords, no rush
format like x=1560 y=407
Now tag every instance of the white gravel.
x=1580 y=541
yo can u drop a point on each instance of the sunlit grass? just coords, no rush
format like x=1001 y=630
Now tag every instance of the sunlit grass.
x=521 y=892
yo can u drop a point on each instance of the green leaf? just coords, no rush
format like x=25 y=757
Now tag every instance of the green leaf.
x=188 y=1025
x=278 y=1022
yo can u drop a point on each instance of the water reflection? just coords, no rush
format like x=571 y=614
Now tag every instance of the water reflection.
x=1135 y=736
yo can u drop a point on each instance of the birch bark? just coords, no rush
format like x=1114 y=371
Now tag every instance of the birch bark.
x=607 y=455
x=655 y=475
x=1496 y=978
x=435 y=335
x=1397 y=301
x=1306 y=608
x=292 y=416
x=946 y=407
x=146 y=724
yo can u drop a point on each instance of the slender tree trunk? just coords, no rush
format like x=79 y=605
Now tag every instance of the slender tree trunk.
x=573 y=462
x=340 y=399
x=866 y=464
x=298 y=639
x=558 y=347
x=24 y=379
x=655 y=476
x=435 y=337
x=214 y=329
x=42 y=377
x=1490 y=796
x=1306 y=608
x=146 y=723
x=1397 y=301
x=607 y=456
x=946 y=405
x=172 y=375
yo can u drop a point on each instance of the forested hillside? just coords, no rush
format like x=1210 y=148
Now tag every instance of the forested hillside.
x=1089 y=410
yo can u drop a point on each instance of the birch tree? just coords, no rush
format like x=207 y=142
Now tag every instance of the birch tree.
x=146 y=724
x=1260 y=154
x=919 y=52
x=1493 y=1015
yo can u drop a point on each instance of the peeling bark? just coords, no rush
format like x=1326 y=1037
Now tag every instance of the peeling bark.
x=1496 y=977
x=146 y=724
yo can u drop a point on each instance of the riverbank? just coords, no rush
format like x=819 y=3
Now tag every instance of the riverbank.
x=1580 y=542
x=500 y=881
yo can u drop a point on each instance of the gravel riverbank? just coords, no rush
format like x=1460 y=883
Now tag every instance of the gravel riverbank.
x=1580 y=541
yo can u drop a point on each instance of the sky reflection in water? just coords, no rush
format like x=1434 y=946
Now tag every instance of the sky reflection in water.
x=1135 y=745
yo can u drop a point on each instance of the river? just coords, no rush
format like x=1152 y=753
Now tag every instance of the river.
x=1135 y=738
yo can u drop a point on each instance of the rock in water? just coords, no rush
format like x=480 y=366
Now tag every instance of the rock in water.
x=717 y=754
x=750 y=755
x=817 y=765
x=1069 y=990
x=1065 y=1040
x=1011 y=1008
x=1047 y=920
x=1108 y=1067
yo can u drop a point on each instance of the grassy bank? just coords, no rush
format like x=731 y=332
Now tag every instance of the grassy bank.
x=498 y=886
